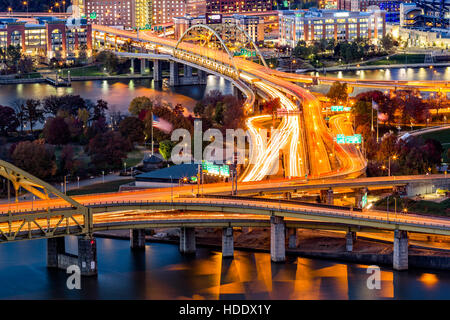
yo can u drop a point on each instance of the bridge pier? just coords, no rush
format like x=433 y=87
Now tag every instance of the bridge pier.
x=227 y=243
x=157 y=70
x=400 y=258
x=132 y=66
x=137 y=238
x=201 y=76
x=187 y=240
x=143 y=66
x=350 y=238
x=87 y=255
x=330 y=197
x=287 y=195
x=55 y=247
x=277 y=239
x=292 y=238
x=174 y=74
x=187 y=71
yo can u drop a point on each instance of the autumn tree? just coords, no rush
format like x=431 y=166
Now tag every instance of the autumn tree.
x=56 y=131
x=35 y=158
x=8 y=120
x=33 y=112
x=138 y=104
x=133 y=129
x=338 y=92
x=108 y=150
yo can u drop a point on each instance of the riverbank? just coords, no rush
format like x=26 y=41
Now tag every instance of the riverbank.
x=310 y=244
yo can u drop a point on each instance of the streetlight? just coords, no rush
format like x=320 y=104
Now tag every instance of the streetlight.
x=125 y=167
x=25 y=3
x=78 y=182
x=394 y=157
x=103 y=176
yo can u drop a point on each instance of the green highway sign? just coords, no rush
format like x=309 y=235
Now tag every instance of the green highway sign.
x=343 y=139
x=211 y=168
x=364 y=200
x=340 y=109
x=93 y=15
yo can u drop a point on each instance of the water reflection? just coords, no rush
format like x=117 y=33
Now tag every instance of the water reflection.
x=161 y=272
x=440 y=73
x=117 y=93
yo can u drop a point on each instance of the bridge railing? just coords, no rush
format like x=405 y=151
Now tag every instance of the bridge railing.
x=184 y=204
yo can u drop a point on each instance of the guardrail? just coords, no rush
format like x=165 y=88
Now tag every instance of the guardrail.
x=171 y=205
x=312 y=204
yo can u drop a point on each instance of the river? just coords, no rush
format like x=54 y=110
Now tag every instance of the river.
x=161 y=272
x=118 y=93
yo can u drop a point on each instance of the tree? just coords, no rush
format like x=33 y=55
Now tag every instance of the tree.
x=109 y=60
x=338 y=92
x=165 y=148
x=33 y=112
x=56 y=131
x=83 y=115
x=35 y=158
x=25 y=65
x=138 y=104
x=107 y=150
x=99 y=109
x=132 y=128
x=8 y=120
x=388 y=42
x=69 y=103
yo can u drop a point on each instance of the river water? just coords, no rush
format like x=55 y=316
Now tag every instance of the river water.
x=161 y=272
x=118 y=93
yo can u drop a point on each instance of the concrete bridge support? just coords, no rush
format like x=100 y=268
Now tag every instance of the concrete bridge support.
x=143 y=66
x=174 y=74
x=287 y=195
x=330 y=197
x=187 y=71
x=132 y=66
x=55 y=246
x=277 y=239
x=187 y=240
x=157 y=70
x=292 y=238
x=227 y=243
x=87 y=255
x=201 y=76
x=350 y=238
x=137 y=238
x=400 y=258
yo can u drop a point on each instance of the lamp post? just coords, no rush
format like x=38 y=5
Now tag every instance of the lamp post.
x=78 y=182
x=103 y=176
x=394 y=157
x=125 y=167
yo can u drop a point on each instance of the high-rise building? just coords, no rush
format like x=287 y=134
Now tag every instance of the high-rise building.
x=392 y=7
x=163 y=11
x=321 y=24
x=127 y=14
x=195 y=8
x=234 y=6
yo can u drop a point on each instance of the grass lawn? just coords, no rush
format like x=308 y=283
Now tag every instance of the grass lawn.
x=111 y=186
x=443 y=136
x=421 y=206
x=134 y=157
x=399 y=59
x=84 y=71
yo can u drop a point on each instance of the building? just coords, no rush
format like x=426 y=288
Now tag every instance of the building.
x=126 y=14
x=314 y=24
x=195 y=8
x=252 y=25
x=163 y=11
x=232 y=6
x=47 y=37
x=426 y=14
x=392 y=8
x=327 y=4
